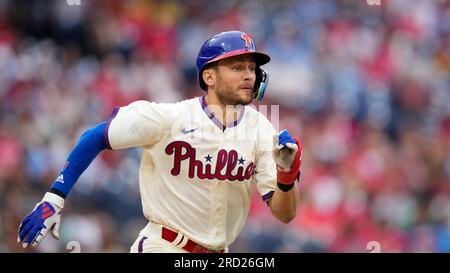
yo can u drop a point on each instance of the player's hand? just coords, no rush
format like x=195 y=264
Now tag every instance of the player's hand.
x=285 y=149
x=287 y=155
x=45 y=216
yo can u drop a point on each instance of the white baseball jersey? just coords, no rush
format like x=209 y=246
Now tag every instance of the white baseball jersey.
x=195 y=177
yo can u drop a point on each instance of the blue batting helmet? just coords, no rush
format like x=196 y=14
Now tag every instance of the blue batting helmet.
x=228 y=44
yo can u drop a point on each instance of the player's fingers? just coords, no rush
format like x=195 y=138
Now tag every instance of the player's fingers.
x=25 y=229
x=22 y=224
x=55 y=230
x=275 y=139
x=292 y=146
x=37 y=239
x=31 y=236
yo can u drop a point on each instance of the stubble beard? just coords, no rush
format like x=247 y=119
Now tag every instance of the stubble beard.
x=227 y=97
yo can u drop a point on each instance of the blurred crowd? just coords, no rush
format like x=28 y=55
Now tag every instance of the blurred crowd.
x=366 y=87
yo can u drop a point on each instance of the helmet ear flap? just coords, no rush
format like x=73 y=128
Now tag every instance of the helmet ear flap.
x=262 y=79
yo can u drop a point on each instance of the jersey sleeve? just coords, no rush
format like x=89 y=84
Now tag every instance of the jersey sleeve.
x=265 y=167
x=138 y=124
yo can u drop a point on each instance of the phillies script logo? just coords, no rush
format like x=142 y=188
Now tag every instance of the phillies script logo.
x=225 y=161
x=247 y=39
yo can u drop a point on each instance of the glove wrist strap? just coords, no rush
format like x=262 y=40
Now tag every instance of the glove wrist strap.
x=54 y=199
x=285 y=187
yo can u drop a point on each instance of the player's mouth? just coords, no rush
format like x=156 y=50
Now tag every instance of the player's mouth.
x=246 y=87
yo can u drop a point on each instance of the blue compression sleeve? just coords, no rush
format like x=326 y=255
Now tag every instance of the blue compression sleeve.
x=90 y=144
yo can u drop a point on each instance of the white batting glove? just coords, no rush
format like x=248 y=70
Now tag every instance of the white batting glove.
x=287 y=152
x=46 y=215
x=285 y=149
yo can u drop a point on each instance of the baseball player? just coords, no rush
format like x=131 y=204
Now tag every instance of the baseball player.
x=200 y=157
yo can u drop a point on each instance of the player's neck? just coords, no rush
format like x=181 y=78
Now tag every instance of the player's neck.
x=227 y=113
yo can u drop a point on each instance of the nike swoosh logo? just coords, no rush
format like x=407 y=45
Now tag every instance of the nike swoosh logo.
x=184 y=131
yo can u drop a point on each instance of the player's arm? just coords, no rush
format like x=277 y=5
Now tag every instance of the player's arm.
x=135 y=125
x=46 y=214
x=287 y=156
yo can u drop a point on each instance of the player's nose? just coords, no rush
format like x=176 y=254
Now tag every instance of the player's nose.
x=249 y=74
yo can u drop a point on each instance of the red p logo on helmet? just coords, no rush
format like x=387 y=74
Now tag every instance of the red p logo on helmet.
x=247 y=39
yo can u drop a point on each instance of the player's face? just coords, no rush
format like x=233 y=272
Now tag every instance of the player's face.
x=235 y=80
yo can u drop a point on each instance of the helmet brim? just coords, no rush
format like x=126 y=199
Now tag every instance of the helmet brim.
x=260 y=58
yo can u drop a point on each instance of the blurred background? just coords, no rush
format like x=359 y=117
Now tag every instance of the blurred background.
x=366 y=87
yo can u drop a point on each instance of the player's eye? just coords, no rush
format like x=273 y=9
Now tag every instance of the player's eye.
x=236 y=67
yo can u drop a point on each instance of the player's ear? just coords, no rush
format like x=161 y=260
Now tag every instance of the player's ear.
x=209 y=76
